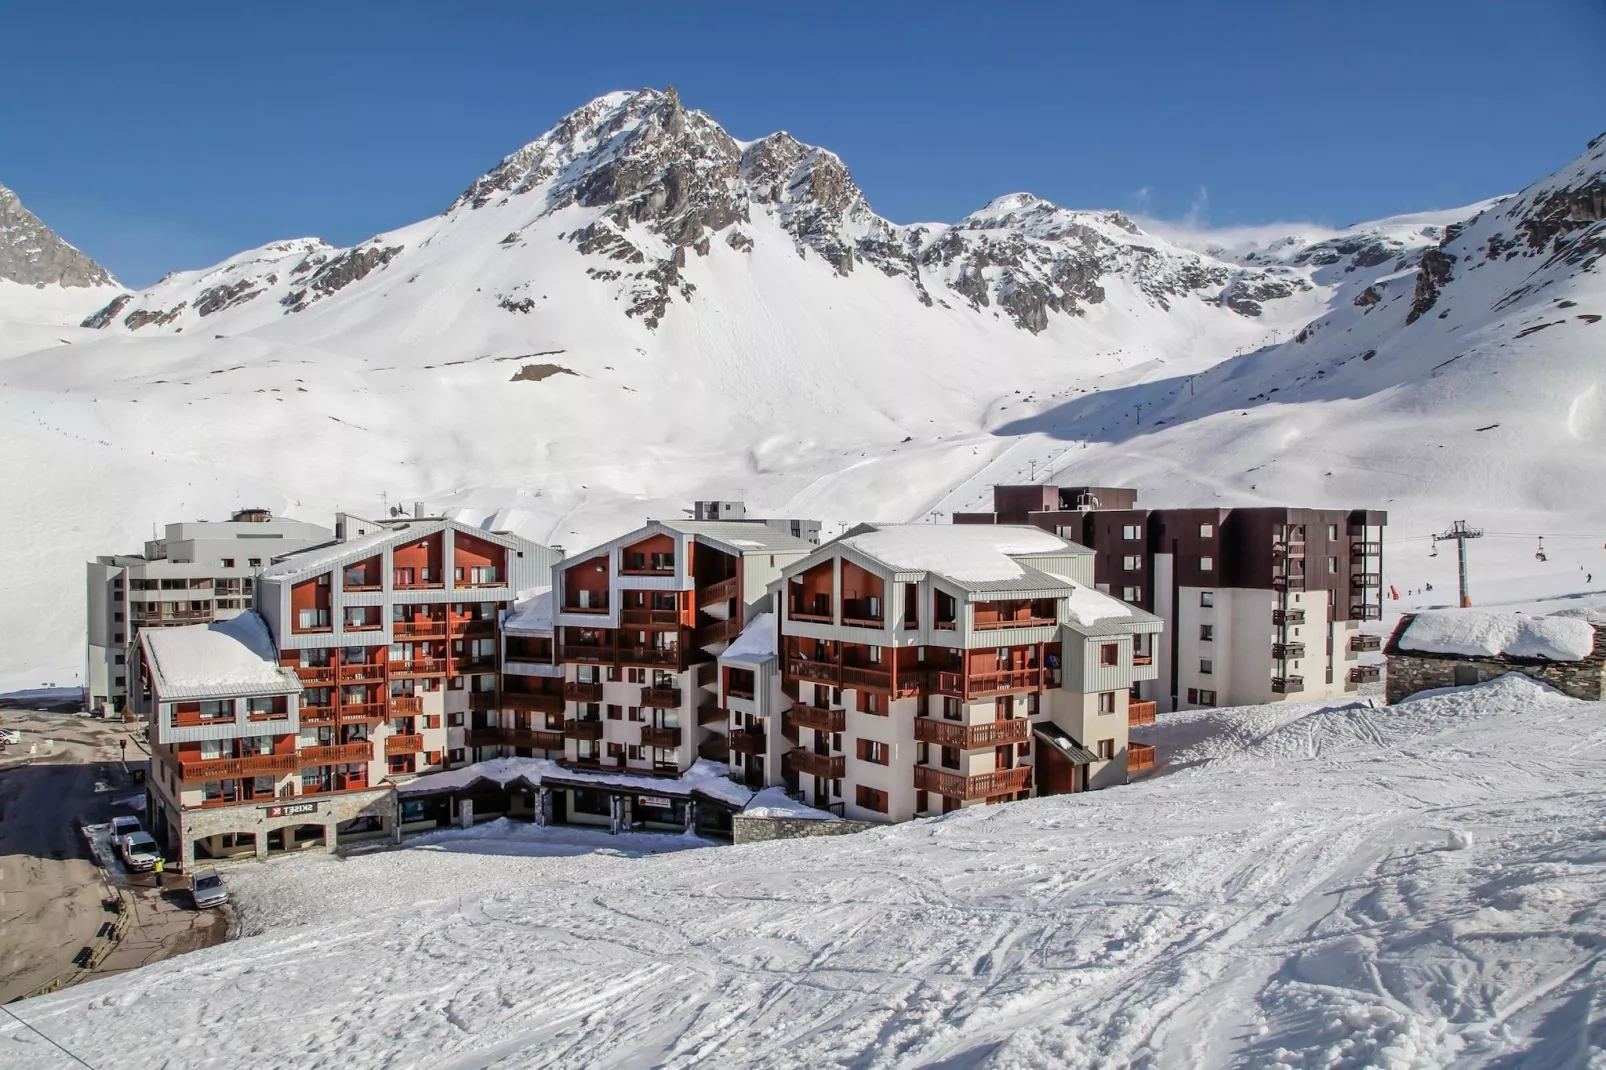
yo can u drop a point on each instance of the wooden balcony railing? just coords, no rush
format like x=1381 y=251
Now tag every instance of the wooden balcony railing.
x=647 y=617
x=421 y=585
x=980 y=786
x=576 y=729
x=1365 y=549
x=1140 y=713
x=575 y=691
x=316 y=715
x=1281 y=617
x=1015 y=622
x=723 y=591
x=798 y=613
x=1291 y=582
x=866 y=679
x=1365 y=611
x=1284 y=651
x=339 y=754
x=461 y=627
x=533 y=701
x=718 y=631
x=316 y=674
x=1288 y=548
x=971 y=736
x=472 y=665
x=534 y=739
x=1362 y=580
x=818 y=718
x=589 y=654
x=364 y=711
x=984 y=684
x=406 y=705
x=232 y=768
x=660 y=698
x=1139 y=756
x=395 y=745
x=419 y=629
x=712 y=715
x=1142 y=659
x=1365 y=674
x=648 y=655
x=483 y=700
x=352 y=674
x=419 y=667
x=747 y=742
x=594 y=608
x=1365 y=643
x=662 y=738
x=1287 y=685
x=822 y=672
x=807 y=763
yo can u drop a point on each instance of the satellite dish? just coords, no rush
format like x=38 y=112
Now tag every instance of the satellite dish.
x=395 y=510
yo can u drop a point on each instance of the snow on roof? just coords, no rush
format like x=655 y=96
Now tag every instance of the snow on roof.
x=774 y=802
x=1478 y=633
x=321 y=556
x=756 y=643
x=1086 y=605
x=745 y=536
x=226 y=657
x=532 y=612
x=705 y=778
x=968 y=553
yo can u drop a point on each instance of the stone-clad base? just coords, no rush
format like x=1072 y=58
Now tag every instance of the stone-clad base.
x=1410 y=672
x=261 y=818
x=758 y=829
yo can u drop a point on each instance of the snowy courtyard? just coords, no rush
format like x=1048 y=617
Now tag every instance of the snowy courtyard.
x=1301 y=886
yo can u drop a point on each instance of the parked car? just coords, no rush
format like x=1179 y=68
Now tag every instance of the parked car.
x=122 y=826
x=10 y=736
x=207 y=890
x=140 y=851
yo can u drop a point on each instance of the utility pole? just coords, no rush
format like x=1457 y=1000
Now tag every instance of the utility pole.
x=1137 y=413
x=1459 y=533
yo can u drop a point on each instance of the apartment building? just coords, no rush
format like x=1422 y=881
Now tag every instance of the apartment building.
x=1261 y=604
x=394 y=630
x=197 y=572
x=914 y=670
x=235 y=770
x=638 y=623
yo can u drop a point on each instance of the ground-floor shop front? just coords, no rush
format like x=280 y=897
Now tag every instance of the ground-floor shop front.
x=554 y=801
x=206 y=834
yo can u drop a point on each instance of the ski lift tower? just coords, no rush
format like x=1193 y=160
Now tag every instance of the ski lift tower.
x=1459 y=533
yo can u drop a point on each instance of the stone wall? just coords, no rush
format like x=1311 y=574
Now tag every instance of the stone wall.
x=758 y=829
x=1409 y=673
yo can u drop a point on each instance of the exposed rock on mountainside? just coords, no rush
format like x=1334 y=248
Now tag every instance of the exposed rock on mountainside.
x=34 y=255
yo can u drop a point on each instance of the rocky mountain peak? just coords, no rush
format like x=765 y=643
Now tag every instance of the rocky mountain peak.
x=34 y=255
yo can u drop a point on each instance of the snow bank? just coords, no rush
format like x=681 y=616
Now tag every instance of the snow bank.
x=774 y=802
x=756 y=643
x=231 y=653
x=1479 y=633
x=969 y=553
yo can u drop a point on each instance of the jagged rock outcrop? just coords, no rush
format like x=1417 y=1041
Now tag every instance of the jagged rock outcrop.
x=34 y=255
x=1432 y=273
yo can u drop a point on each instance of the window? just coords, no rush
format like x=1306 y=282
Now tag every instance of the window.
x=634 y=752
x=951 y=709
x=870 y=702
x=870 y=750
x=615 y=713
x=921 y=802
x=1207 y=564
x=1109 y=654
x=1106 y=750
x=1129 y=532
x=1131 y=563
x=117 y=618
x=254 y=562
x=1207 y=632
x=1206 y=530
x=616 y=750
x=1024 y=749
x=635 y=713
x=228 y=562
x=454 y=720
x=1203 y=696
x=1131 y=594
x=1332 y=533
x=949 y=757
x=454 y=683
x=1206 y=667
x=323 y=581
x=1332 y=566
x=871 y=799
x=312 y=618
x=1207 y=599
x=117 y=659
x=1106 y=701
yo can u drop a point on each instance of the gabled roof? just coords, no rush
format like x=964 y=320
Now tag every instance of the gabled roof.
x=984 y=558
x=317 y=559
x=740 y=536
x=1061 y=740
x=224 y=659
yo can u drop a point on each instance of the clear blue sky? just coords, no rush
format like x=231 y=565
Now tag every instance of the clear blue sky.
x=161 y=136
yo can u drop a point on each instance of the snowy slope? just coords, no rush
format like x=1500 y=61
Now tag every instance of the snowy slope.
x=1416 y=886
x=638 y=309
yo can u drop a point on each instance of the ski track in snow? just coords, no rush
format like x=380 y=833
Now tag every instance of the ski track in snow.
x=1286 y=894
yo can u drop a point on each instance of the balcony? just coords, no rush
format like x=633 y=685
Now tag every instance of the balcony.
x=364 y=711
x=817 y=718
x=1362 y=644
x=661 y=738
x=817 y=615
x=715 y=748
x=532 y=701
x=317 y=715
x=340 y=754
x=1288 y=548
x=649 y=655
x=483 y=700
x=1142 y=659
x=822 y=672
x=1281 y=618
x=718 y=631
x=863 y=678
x=660 y=698
x=1287 y=685
x=471 y=665
x=534 y=739
x=316 y=674
x=807 y=763
x=1014 y=622
x=351 y=674
x=233 y=768
x=1292 y=582
x=644 y=617
x=577 y=729
x=982 y=685
x=723 y=591
x=1140 y=713
x=748 y=741
x=395 y=745
x=1139 y=756
x=464 y=627
x=1365 y=611
x=590 y=654
x=406 y=705
x=856 y=613
x=1285 y=651
x=373 y=624
x=419 y=629
x=980 y=786
x=600 y=607
x=1365 y=549
x=575 y=691
x=1366 y=674
x=419 y=667
x=971 y=736
x=172 y=616
x=1363 y=580
x=712 y=715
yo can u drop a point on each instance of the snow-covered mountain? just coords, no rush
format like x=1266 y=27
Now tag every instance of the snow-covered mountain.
x=45 y=283
x=637 y=309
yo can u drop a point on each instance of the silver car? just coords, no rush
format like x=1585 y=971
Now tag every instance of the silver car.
x=122 y=826
x=207 y=890
x=140 y=852
x=10 y=736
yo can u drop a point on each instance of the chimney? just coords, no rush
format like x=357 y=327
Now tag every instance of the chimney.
x=418 y=509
